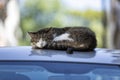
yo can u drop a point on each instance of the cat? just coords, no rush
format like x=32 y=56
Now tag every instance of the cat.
x=67 y=38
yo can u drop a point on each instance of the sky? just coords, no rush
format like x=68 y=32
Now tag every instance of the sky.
x=83 y=4
x=80 y=4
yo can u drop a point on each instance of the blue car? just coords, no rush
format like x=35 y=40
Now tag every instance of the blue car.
x=25 y=63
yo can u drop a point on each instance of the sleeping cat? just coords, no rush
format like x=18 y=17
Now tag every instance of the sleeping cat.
x=68 y=38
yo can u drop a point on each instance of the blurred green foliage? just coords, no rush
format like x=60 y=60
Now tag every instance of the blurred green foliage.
x=52 y=13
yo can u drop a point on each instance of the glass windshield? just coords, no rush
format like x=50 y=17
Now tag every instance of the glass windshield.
x=57 y=71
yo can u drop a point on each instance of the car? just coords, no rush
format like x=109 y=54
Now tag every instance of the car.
x=25 y=63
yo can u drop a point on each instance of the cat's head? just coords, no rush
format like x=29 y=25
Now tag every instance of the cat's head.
x=39 y=38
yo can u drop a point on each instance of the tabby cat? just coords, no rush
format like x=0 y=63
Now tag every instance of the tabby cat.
x=68 y=38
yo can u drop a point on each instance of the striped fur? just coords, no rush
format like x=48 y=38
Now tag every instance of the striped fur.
x=77 y=38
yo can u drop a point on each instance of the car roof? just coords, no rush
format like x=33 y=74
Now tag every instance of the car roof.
x=26 y=53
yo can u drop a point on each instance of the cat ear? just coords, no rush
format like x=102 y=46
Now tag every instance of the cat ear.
x=31 y=34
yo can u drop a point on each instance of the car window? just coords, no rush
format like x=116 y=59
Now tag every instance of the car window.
x=57 y=71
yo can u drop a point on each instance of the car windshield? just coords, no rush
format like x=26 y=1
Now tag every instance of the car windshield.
x=57 y=71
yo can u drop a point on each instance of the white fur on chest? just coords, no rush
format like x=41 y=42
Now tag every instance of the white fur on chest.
x=41 y=43
x=62 y=37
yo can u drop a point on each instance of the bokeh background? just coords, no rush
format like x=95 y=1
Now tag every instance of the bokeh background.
x=17 y=17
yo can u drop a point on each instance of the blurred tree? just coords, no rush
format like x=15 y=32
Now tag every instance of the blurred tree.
x=40 y=14
x=46 y=13
x=8 y=24
x=3 y=9
x=86 y=17
x=113 y=22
